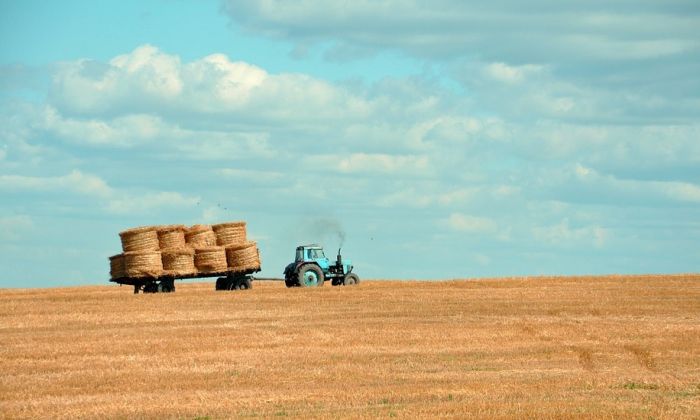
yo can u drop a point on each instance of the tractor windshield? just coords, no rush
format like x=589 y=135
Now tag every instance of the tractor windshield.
x=300 y=254
x=315 y=254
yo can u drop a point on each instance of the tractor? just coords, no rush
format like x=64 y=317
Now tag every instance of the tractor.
x=311 y=268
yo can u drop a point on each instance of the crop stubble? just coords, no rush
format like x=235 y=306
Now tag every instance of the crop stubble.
x=545 y=347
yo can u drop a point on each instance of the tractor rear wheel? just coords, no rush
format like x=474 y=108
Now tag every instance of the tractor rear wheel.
x=351 y=280
x=310 y=275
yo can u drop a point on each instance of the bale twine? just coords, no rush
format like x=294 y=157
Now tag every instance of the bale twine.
x=143 y=264
x=210 y=259
x=200 y=236
x=117 y=269
x=140 y=239
x=231 y=233
x=243 y=257
x=171 y=236
x=178 y=261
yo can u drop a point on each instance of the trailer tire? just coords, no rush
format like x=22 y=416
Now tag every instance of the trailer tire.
x=245 y=284
x=310 y=275
x=351 y=280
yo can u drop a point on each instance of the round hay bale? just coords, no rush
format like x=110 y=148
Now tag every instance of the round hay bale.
x=117 y=268
x=171 y=236
x=140 y=239
x=178 y=261
x=210 y=259
x=243 y=257
x=230 y=233
x=200 y=236
x=143 y=264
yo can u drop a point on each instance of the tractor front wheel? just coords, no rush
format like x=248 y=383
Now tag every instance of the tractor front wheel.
x=351 y=280
x=310 y=275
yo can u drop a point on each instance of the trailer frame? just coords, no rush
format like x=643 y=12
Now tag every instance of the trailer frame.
x=227 y=280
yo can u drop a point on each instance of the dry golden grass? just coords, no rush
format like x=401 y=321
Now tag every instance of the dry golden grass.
x=547 y=347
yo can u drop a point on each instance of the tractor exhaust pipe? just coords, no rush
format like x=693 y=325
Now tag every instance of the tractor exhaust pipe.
x=339 y=259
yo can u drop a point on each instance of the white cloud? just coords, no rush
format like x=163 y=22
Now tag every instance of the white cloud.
x=564 y=235
x=640 y=189
x=148 y=80
x=148 y=201
x=113 y=200
x=364 y=163
x=76 y=182
x=128 y=130
x=509 y=30
x=461 y=222
x=502 y=72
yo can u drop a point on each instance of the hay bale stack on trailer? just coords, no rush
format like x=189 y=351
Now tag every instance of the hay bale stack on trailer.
x=154 y=256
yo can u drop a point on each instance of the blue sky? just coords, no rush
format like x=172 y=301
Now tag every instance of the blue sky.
x=445 y=139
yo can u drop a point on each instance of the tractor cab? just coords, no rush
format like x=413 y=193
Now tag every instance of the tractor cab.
x=312 y=254
x=311 y=268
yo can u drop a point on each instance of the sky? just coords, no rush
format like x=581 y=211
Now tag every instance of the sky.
x=432 y=140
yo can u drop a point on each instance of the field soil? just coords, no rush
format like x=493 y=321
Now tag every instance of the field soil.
x=587 y=347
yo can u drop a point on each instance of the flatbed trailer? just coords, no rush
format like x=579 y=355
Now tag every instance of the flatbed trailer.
x=226 y=280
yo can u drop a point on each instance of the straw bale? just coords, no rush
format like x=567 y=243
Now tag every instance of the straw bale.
x=200 y=236
x=140 y=239
x=171 y=236
x=178 y=261
x=243 y=257
x=117 y=269
x=210 y=259
x=230 y=233
x=143 y=264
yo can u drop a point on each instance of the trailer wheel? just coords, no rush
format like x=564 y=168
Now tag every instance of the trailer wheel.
x=351 y=280
x=166 y=286
x=245 y=284
x=310 y=275
x=149 y=287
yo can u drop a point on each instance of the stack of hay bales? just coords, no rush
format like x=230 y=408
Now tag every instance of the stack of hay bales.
x=243 y=257
x=141 y=252
x=117 y=268
x=200 y=236
x=176 y=250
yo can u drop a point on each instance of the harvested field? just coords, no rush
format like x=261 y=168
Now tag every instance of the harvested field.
x=550 y=347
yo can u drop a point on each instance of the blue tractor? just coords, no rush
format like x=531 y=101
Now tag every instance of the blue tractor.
x=311 y=268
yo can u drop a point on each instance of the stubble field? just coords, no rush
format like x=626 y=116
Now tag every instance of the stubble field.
x=540 y=347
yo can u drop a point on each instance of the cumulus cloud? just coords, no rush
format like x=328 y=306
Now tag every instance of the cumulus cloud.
x=585 y=61
x=562 y=234
x=92 y=186
x=150 y=81
x=360 y=163
x=76 y=182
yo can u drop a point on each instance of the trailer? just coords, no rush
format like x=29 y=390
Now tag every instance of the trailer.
x=226 y=280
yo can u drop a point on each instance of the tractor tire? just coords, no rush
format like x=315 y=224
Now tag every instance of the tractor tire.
x=310 y=275
x=351 y=280
x=290 y=283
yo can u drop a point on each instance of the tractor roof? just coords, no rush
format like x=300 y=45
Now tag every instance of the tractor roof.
x=311 y=246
